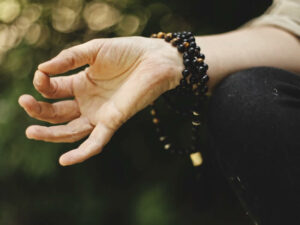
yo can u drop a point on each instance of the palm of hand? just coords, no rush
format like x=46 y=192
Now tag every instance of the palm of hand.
x=124 y=76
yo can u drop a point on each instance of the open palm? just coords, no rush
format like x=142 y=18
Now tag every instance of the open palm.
x=124 y=76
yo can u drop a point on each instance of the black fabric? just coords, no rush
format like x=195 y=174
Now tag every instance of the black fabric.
x=254 y=132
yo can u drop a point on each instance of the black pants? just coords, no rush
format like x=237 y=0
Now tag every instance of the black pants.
x=254 y=132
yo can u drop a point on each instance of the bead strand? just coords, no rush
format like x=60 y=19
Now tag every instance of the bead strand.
x=193 y=83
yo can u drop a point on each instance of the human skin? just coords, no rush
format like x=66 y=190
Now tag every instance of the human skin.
x=124 y=75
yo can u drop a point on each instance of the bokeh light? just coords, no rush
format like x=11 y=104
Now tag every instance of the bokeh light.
x=9 y=10
x=100 y=15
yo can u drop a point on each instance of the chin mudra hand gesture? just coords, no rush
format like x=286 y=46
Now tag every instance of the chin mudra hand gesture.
x=123 y=76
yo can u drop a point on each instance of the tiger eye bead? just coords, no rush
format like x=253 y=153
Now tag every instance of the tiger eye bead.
x=153 y=112
x=200 y=60
x=154 y=35
x=161 y=35
x=155 y=121
x=168 y=37
x=174 y=41
x=167 y=146
x=186 y=44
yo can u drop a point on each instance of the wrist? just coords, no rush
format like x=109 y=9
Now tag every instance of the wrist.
x=169 y=58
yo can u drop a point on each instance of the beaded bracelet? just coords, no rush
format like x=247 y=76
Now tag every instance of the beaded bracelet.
x=193 y=83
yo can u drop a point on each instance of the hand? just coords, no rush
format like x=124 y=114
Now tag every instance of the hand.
x=124 y=76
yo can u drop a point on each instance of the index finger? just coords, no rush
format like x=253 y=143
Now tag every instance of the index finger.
x=72 y=58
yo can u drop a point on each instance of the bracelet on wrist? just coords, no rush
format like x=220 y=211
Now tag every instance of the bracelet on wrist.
x=193 y=84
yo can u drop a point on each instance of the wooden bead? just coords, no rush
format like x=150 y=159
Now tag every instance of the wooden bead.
x=153 y=112
x=186 y=44
x=196 y=113
x=162 y=138
x=169 y=35
x=167 y=146
x=196 y=158
x=200 y=60
x=155 y=121
x=174 y=40
x=161 y=35
x=196 y=123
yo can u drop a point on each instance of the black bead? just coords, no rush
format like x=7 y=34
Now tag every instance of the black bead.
x=175 y=34
x=185 y=73
x=183 y=82
x=205 y=78
x=178 y=41
x=181 y=48
x=184 y=32
x=198 y=48
x=205 y=66
x=192 y=38
x=191 y=51
x=201 y=70
x=188 y=34
x=202 y=56
x=195 y=62
x=193 y=44
x=194 y=79
x=186 y=55
x=204 y=89
x=168 y=38
x=187 y=62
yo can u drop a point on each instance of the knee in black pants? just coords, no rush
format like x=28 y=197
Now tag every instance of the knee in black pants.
x=254 y=122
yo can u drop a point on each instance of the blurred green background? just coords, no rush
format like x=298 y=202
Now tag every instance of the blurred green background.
x=132 y=181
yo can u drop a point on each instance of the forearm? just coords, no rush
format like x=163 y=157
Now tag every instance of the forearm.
x=245 y=48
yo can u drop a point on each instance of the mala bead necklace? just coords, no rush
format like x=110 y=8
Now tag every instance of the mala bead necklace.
x=193 y=85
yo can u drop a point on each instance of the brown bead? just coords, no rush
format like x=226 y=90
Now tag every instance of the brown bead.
x=154 y=35
x=173 y=41
x=162 y=138
x=186 y=44
x=196 y=158
x=167 y=146
x=161 y=35
x=153 y=112
x=155 y=120
x=169 y=35
x=200 y=60
x=196 y=113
